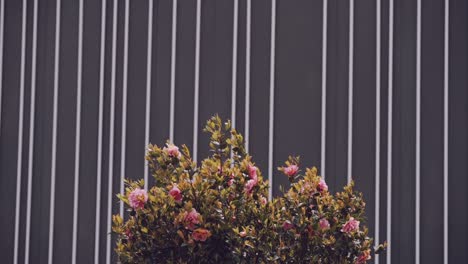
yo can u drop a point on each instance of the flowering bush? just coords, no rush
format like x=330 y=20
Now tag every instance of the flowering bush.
x=218 y=212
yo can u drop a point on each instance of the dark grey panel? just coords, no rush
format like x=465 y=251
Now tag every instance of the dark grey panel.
x=9 y=129
x=106 y=134
x=185 y=72
x=337 y=94
x=364 y=102
x=66 y=133
x=89 y=130
x=43 y=133
x=432 y=109
x=383 y=122
x=161 y=72
x=216 y=65
x=298 y=85
x=458 y=131
x=136 y=107
x=260 y=83
x=404 y=132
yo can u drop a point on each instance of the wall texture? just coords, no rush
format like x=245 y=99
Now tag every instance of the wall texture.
x=373 y=90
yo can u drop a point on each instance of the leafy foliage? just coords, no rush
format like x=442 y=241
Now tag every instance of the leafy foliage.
x=218 y=212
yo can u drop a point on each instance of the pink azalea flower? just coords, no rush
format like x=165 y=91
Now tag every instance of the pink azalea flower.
x=230 y=182
x=324 y=224
x=243 y=234
x=250 y=185
x=263 y=200
x=172 y=150
x=291 y=170
x=322 y=186
x=287 y=225
x=201 y=234
x=364 y=257
x=252 y=172
x=137 y=198
x=350 y=226
x=176 y=194
x=192 y=219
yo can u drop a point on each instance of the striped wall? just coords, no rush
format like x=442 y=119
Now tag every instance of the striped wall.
x=370 y=90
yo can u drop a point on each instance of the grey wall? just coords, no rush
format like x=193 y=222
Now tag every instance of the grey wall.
x=389 y=110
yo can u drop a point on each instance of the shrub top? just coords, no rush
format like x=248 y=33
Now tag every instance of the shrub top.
x=218 y=211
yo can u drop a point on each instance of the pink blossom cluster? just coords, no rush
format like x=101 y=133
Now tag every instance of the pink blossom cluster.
x=253 y=179
x=137 y=198
x=172 y=151
x=350 y=226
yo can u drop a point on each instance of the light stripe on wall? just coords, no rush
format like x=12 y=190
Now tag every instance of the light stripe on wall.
x=272 y=98
x=2 y=24
x=350 y=90
x=77 y=132
x=418 y=134
x=197 y=82
x=248 y=28
x=54 y=132
x=20 y=132
x=446 y=129
x=173 y=71
x=100 y=126
x=377 y=130
x=31 y=133
x=124 y=106
x=111 y=133
x=148 y=85
x=389 y=131
x=234 y=63
x=324 y=88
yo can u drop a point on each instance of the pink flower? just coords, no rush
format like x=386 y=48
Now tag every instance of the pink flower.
x=243 y=234
x=350 y=226
x=176 y=194
x=291 y=170
x=230 y=182
x=287 y=225
x=250 y=185
x=322 y=186
x=192 y=219
x=172 y=150
x=137 y=198
x=324 y=224
x=263 y=200
x=201 y=234
x=364 y=257
x=252 y=172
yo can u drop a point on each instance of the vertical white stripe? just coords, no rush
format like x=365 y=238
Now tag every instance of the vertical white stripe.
x=173 y=72
x=148 y=85
x=248 y=27
x=124 y=106
x=20 y=132
x=377 y=130
x=324 y=88
x=350 y=90
x=272 y=98
x=446 y=128
x=389 y=131
x=234 y=63
x=197 y=82
x=2 y=23
x=111 y=133
x=31 y=133
x=418 y=133
x=77 y=133
x=54 y=132
x=100 y=125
